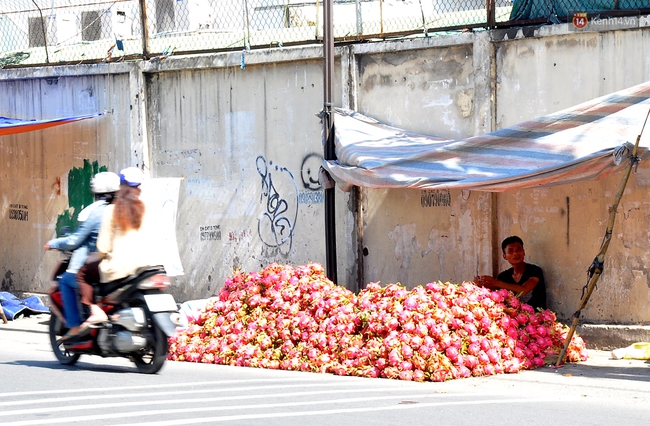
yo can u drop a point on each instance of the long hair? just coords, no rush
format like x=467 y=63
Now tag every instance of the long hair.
x=129 y=209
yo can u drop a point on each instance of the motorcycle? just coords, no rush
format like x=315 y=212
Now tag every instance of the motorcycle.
x=141 y=316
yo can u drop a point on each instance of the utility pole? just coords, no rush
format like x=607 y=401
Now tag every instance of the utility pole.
x=328 y=139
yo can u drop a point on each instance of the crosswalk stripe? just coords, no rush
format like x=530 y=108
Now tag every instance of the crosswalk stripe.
x=194 y=421
x=156 y=386
x=114 y=394
x=142 y=402
x=108 y=416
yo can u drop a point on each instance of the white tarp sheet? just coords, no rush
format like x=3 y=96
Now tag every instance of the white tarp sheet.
x=571 y=145
x=160 y=195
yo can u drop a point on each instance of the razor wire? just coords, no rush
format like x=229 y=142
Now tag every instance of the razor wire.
x=38 y=32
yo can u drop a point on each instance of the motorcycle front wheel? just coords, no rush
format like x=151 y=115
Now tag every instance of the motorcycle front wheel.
x=57 y=329
x=151 y=359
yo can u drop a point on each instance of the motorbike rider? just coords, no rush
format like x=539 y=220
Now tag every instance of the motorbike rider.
x=122 y=244
x=82 y=242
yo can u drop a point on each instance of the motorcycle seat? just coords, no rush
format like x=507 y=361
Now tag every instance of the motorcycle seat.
x=104 y=289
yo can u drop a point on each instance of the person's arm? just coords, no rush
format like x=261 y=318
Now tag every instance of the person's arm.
x=493 y=283
x=71 y=242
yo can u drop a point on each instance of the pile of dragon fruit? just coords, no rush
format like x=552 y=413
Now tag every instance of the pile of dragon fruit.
x=295 y=318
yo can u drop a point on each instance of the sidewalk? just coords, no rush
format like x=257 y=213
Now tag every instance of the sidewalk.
x=34 y=323
x=32 y=330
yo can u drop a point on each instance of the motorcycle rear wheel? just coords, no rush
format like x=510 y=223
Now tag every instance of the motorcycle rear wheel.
x=152 y=359
x=57 y=329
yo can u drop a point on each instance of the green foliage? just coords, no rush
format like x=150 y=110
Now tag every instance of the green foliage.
x=14 y=58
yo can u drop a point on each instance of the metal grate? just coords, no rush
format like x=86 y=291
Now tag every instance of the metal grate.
x=67 y=31
x=34 y=32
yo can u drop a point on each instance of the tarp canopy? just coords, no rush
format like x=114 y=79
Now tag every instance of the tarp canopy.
x=11 y=126
x=575 y=144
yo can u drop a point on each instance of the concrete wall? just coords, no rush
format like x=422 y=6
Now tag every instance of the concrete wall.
x=565 y=225
x=433 y=90
x=247 y=143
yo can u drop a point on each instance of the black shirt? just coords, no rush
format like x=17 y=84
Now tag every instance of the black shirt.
x=537 y=297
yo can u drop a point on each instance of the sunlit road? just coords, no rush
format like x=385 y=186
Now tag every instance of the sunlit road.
x=37 y=390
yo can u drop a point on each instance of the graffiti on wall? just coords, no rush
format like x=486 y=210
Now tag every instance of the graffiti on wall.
x=309 y=171
x=435 y=198
x=311 y=197
x=237 y=236
x=279 y=197
x=210 y=232
x=313 y=192
x=79 y=195
x=18 y=212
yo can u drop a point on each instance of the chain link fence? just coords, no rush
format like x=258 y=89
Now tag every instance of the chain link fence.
x=37 y=32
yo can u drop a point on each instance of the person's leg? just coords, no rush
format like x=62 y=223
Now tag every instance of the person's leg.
x=68 y=287
x=89 y=273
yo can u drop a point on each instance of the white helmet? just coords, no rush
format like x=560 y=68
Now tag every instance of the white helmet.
x=104 y=183
x=131 y=176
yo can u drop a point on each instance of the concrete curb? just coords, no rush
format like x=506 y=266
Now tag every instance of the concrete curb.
x=611 y=336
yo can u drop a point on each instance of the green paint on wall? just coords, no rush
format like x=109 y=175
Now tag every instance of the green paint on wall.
x=79 y=195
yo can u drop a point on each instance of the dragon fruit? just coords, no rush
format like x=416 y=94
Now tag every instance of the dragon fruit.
x=295 y=318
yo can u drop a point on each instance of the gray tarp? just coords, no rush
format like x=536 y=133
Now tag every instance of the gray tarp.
x=571 y=145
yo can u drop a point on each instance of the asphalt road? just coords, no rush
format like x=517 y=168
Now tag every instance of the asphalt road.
x=37 y=390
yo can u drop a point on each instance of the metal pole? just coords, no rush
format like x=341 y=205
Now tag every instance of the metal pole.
x=359 y=20
x=47 y=55
x=596 y=268
x=381 y=17
x=328 y=136
x=361 y=251
x=248 y=25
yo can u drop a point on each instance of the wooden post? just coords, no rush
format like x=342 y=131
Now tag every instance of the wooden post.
x=491 y=14
x=144 y=23
x=597 y=266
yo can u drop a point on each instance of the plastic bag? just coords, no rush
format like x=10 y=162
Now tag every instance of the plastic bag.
x=639 y=350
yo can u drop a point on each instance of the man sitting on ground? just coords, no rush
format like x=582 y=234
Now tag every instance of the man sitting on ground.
x=524 y=279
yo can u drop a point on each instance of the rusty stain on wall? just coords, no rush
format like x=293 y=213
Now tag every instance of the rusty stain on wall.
x=56 y=186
